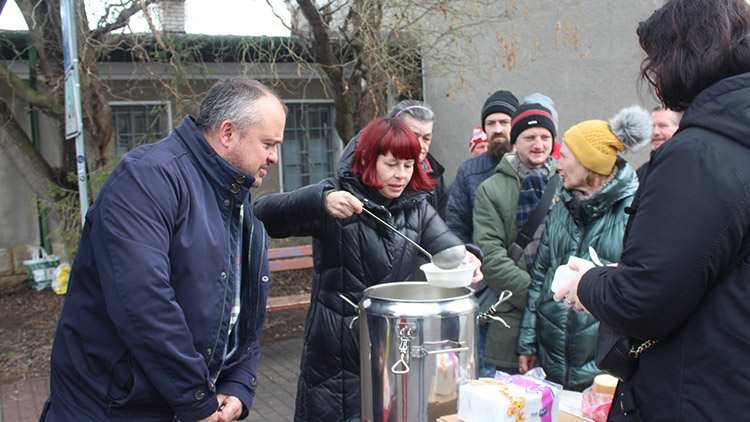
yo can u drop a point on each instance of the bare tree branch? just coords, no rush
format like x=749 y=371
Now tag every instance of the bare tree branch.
x=324 y=55
x=174 y=57
x=122 y=19
x=32 y=96
x=273 y=10
x=43 y=19
x=18 y=147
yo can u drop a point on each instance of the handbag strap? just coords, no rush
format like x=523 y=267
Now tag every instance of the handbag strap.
x=636 y=351
x=526 y=234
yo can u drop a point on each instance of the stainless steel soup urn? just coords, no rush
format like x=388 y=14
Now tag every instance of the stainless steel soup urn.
x=416 y=346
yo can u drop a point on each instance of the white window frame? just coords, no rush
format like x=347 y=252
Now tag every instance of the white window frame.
x=168 y=105
x=335 y=140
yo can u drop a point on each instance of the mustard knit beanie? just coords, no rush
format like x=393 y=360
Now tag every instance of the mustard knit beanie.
x=595 y=143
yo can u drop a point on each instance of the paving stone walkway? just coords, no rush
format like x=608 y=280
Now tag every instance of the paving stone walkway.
x=277 y=381
x=274 y=400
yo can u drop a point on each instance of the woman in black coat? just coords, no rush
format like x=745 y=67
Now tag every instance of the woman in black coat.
x=352 y=251
x=684 y=275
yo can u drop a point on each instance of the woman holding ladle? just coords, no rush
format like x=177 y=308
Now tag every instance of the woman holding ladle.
x=353 y=251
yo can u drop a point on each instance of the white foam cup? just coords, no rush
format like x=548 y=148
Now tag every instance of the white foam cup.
x=563 y=274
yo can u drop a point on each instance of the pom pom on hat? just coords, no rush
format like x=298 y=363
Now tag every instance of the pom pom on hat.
x=632 y=126
x=595 y=143
x=477 y=137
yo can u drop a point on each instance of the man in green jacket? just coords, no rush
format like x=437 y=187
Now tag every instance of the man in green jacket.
x=495 y=227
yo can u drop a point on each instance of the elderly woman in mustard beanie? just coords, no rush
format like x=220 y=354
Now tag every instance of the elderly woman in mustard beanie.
x=589 y=151
x=598 y=186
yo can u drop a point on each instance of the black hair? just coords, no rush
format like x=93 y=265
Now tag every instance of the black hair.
x=691 y=44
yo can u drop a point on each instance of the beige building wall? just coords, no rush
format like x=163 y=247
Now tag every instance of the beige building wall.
x=19 y=227
x=19 y=223
x=583 y=54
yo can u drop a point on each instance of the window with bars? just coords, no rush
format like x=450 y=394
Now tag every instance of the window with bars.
x=138 y=124
x=308 y=152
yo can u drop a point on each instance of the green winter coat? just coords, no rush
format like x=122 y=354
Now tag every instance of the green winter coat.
x=563 y=340
x=495 y=229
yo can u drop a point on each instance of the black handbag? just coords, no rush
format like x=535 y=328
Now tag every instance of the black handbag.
x=617 y=354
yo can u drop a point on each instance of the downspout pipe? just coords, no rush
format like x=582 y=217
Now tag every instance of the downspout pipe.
x=35 y=138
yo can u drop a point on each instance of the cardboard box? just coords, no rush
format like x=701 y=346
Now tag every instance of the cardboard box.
x=439 y=405
x=450 y=418
x=570 y=407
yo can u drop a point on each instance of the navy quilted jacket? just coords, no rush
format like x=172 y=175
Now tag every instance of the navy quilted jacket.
x=460 y=208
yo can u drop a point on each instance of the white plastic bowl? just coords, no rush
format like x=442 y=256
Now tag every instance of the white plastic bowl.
x=456 y=277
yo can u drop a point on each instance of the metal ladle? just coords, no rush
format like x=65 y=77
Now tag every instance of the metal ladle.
x=447 y=259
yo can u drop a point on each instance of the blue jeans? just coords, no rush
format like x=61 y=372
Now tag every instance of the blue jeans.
x=485 y=369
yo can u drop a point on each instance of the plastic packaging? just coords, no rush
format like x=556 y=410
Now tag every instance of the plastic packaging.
x=40 y=268
x=60 y=279
x=509 y=398
x=597 y=399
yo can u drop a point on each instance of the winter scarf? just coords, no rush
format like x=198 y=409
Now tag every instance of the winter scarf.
x=532 y=188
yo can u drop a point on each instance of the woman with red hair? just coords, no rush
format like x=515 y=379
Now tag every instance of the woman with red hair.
x=352 y=252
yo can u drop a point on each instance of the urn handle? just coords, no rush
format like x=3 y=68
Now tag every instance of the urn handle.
x=354 y=305
x=504 y=296
x=455 y=347
x=402 y=365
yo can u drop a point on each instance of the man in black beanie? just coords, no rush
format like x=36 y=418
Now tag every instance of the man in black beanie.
x=530 y=116
x=495 y=118
x=496 y=121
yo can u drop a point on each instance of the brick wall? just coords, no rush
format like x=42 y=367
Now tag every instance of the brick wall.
x=11 y=260
x=173 y=16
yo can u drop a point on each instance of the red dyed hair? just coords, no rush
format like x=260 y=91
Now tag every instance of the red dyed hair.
x=387 y=134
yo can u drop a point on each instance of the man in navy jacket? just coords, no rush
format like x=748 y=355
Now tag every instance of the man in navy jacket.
x=167 y=292
x=496 y=113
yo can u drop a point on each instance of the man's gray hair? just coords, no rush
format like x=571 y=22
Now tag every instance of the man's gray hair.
x=676 y=116
x=233 y=100
x=416 y=109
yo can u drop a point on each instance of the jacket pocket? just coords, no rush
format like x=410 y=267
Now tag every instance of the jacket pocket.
x=120 y=388
x=130 y=387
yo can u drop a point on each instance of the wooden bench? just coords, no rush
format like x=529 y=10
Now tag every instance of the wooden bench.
x=292 y=258
x=285 y=259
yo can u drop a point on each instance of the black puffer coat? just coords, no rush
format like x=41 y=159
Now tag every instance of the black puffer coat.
x=349 y=255
x=684 y=275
